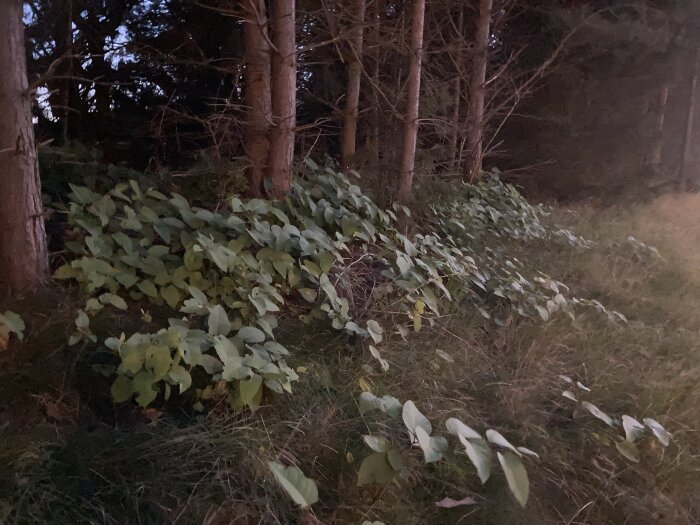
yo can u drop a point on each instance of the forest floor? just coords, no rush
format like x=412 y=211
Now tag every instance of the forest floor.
x=68 y=456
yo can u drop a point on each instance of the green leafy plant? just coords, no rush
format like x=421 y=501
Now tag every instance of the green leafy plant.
x=633 y=430
x=301 y=489
x=385 y=462
x=219 y=280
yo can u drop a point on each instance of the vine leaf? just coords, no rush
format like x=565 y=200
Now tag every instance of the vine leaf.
x=516 y=476
x=301 y=489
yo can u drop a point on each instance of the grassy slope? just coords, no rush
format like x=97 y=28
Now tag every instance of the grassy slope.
x=67 y=457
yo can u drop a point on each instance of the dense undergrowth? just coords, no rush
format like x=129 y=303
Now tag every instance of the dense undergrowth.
x=490 y=356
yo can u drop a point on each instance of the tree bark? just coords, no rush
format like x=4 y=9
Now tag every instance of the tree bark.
x=457 y=92
x=352 y=97
x=410 y=135
x=258 y=99
x=477 y=94
x=23 y=252
x=284 y=74
x=373 y=137
x=657 y=148
x=687 y=141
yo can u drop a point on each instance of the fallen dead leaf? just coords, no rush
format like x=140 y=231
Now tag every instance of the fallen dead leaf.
x=449 y=503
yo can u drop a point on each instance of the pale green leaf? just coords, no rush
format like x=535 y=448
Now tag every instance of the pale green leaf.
x=413 y=419
x=659 y=431
x=433 y=446
x=375 y=468
x=516 y=475
x=598 y=413
x=633 y=428
x=218 y=321
x=301 y=489
x=628 y=449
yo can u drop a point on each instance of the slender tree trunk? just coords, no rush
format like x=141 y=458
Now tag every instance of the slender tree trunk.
x=352 y=96
x=457 y=92
x=373 y=142
x=258 y=99
x=477 y=93
x=410 y=135
x=656 y=155
x=23 y=253
x=284 y=74
x=687 y=141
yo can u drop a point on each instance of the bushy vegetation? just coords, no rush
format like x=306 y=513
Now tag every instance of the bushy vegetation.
x=213 y=287
x=499 y=373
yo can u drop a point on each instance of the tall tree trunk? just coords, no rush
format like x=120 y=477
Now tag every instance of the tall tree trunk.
x=410 y=135
x=373 y=139
x=657 y=147
x=477 y=93
x=352 y=96
x=258 y=99
x=23 y=253
x=687 y=141
x=284 y=93
x=457 y=91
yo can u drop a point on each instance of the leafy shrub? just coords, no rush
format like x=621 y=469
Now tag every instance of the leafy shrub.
x=386 y=460
x=325 y=252
x=633 y=430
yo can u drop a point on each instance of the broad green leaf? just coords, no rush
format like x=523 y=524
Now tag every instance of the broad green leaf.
x=143 y=387
x=210 y=364
x=633 y=428
x=248 y=388
x=497 y=439
x=375 y=468
x=569 y=394
x=659 y=431
x=457 y=428
x=326 y=260
x=628 y=449
x=598 y=413
x=301 y=489
x=480 y=454
x=158 y=360
x=122 y=389
x=127 y=280
x=180 y=376
x=313 y=268
x=528 y=452
x=114 y=300
x=375 y=353
x=250 y=334
x=387 y=404
x=14 y=323
x=148 y=288
x=218 y=322
x=171 y=295
x=377 y=443
x=433 y=446
x=276 y=348
x=308 y=294
x=82 y=322
x=516 y=475
x=375 y=331
x=413 y=419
